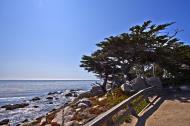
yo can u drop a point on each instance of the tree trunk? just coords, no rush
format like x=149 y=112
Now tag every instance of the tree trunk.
x=153 y=70
x=104 y=83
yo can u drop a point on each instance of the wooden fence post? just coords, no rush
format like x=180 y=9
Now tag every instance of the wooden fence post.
x=110 y=122
x=132 y=111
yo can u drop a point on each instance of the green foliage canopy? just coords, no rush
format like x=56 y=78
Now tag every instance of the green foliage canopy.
x=144 y=46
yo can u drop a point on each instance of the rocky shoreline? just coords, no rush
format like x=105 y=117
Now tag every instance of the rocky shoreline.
x=82 y=109
x=81 y=106
x=37 y=107
x=77 y=111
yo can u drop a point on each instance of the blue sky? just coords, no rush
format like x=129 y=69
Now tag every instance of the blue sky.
x=45 y=39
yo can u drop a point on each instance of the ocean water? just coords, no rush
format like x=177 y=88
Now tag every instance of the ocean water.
x=14 y=90
x=22 y=91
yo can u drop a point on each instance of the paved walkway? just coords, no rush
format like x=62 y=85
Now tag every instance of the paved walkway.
x=173 y=110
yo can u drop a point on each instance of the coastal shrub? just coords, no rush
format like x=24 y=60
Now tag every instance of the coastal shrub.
x=107 y=102
x=141 y=106
x=98 y=110
x=116 y=96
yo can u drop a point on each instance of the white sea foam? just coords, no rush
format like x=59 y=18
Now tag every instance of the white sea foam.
x=32 y=89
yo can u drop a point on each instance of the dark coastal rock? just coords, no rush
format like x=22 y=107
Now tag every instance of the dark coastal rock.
x=75 y=95
x=134 y=85
x=49 y=98
x=39 y=118
x=52 y=93
x=75 y=90
x=69 y=94
x=54 y=109
x=138 y=84
x=86 y=94
x=97 y=91
x=4 y=122
x=35 y=99
x=72 y=93
x=24 y=121
x=154 y=81
x=15 y=106
x=72 y=90
x=50 y=103
x=35 y=106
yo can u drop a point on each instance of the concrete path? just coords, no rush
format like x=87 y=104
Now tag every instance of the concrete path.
x=171 y=110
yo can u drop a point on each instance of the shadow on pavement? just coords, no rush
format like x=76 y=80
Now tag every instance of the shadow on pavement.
x=142 y=119
x=180 y=96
